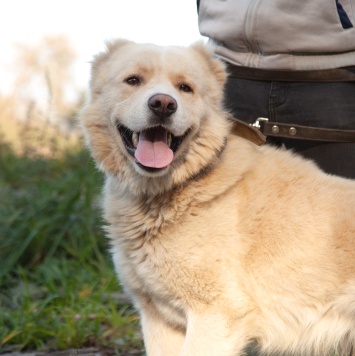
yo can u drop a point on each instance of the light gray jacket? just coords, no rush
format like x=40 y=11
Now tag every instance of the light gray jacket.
x=281 y=34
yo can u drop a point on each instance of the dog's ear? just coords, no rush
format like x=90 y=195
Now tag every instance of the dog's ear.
x=101 y=58
x=215 y=65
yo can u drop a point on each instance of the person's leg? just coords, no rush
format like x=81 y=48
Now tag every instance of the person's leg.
x=247 y=99
x=326 y=105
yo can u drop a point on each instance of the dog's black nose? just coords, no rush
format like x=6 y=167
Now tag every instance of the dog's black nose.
x=162 y=105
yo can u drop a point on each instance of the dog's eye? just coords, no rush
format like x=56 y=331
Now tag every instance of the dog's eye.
x=133 y=80
x=186 y=88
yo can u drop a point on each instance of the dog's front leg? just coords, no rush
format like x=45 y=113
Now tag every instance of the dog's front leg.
x=160 y=338
x=212 y=334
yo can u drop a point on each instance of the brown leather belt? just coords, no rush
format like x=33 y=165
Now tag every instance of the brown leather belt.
x=277 y=129
x=263 y=128
x=346 y=74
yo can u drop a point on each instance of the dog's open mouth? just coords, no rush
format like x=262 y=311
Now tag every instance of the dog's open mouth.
x=153 y=148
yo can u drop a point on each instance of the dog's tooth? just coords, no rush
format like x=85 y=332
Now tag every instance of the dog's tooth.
x=135 y=139
x=169 y=139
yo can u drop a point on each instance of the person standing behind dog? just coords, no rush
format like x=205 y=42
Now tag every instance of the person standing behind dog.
x=292 y=62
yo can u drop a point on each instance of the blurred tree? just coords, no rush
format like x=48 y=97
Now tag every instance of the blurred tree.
x=43 y=99
x=45 y=78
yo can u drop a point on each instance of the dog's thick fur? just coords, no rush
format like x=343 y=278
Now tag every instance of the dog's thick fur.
x=230 y=243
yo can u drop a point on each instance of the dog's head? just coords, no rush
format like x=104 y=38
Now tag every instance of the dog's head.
x=155 y=111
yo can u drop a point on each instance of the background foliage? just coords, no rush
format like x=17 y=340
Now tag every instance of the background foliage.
x=58 y=289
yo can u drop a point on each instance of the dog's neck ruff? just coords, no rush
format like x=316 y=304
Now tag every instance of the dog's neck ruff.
x=204 y=171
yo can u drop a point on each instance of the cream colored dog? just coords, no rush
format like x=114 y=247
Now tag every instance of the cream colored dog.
x=218 y=241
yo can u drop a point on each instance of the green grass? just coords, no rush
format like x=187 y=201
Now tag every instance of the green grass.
x=57 y=284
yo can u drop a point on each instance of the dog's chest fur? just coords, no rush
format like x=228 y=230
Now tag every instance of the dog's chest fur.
x=159 y=255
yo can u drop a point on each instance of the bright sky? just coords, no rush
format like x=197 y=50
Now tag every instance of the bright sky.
x=88 y=24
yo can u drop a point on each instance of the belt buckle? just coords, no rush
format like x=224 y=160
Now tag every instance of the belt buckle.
x=258 y=121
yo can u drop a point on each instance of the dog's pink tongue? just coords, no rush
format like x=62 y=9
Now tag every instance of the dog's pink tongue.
x=153 y=150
